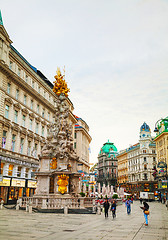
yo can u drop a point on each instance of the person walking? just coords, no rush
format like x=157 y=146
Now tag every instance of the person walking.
x=128 y=205
x=146 y=212
x=113 y=209
x=106 y=206
x=140 y=200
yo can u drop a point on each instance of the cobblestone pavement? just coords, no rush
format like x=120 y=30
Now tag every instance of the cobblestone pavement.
x=20 y=225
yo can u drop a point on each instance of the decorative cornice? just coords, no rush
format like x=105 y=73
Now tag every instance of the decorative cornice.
x=24 y=110
x=17 y=106
x=8 y=100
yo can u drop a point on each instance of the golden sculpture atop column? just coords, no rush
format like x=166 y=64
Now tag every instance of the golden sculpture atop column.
x=60 y=86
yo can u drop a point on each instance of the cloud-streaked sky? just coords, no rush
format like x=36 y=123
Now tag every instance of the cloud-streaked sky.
x=115 y=53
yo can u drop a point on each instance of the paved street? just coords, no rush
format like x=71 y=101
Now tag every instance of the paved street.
x=20 y=225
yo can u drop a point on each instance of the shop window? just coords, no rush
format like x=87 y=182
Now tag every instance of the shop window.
x=1 y=168
x=19 y=171
x=23 y=120
x=7 y=111
x=4 y=139
x=21 y=145
x=16 y=116
x=10 y=170
x=8 y=88
x=17 y=94
x=13 y=143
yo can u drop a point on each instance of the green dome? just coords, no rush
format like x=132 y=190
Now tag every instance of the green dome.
x=108 y=147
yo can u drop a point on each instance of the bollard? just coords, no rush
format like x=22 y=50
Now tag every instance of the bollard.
x=2 y=203
x=65 y=210
x=98 y=209
x=30 y=209
x=17 y=207
x=27 y=207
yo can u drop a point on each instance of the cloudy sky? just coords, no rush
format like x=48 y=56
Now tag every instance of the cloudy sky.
x=115 y=53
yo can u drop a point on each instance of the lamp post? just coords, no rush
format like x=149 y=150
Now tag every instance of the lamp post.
x=156 y=129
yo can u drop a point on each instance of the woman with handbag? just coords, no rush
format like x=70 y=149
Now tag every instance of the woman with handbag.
x=146 y=212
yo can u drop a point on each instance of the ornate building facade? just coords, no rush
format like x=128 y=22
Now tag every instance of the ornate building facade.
x=140 y=162
x=82 y=140
x=122 y=167
x=27 y=105
x=107 y=165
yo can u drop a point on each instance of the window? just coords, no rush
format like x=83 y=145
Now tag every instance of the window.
x=7 y=111
x=30 y=124
x=19 y=72
x=32 y=84
x=43 y=112
x=49 y=98
x=27 y=173
x=44 y=94
x=19 y=171
x=21 y=145
x=42 y=131
x=37 y=127
x=144 y=151
x=23 y=120
x=48 y=116
x=25 y=99
x=35 y=150
x=144 y=159
x=10 y=65
x=16 y=116
x=154 y=159
x=10 y=170
x=75 y=145
x=13 y=143
x=31 y=104
x=153 y=151
x=75 y=135
x=38 y=108
x=29 y=148
x=26 y=79
x=17 y=94
x=8 y=88
x=39 y=89
x=4 y=139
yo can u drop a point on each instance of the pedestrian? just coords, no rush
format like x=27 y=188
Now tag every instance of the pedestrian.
x=106 y=206
x=132 y=199
x=113 y=208
x=140 y=200
x=146 y=212
x=128 y=205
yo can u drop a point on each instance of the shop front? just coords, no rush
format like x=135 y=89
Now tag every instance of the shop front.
x=31 y=187
x=4 y=189
x=16 y=190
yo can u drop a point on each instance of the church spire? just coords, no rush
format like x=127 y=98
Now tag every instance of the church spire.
x=1 y=22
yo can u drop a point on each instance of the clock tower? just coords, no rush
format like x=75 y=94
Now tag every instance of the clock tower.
x=145 y=136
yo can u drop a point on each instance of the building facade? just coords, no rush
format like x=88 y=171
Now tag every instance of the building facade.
x=141 y=163
x=82 y=139
x=161 y=139
x=122 y=167
x=27 y=105
x=107 y=165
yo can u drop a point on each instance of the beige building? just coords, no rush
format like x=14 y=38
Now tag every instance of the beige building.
x=82 y=140
x=161 y=140
x=26 y=111
x=122 y=167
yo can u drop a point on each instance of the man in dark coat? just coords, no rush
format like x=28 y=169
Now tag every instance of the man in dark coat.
x=106 y=206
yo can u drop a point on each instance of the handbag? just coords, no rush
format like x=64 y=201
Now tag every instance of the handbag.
x=146 y=212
